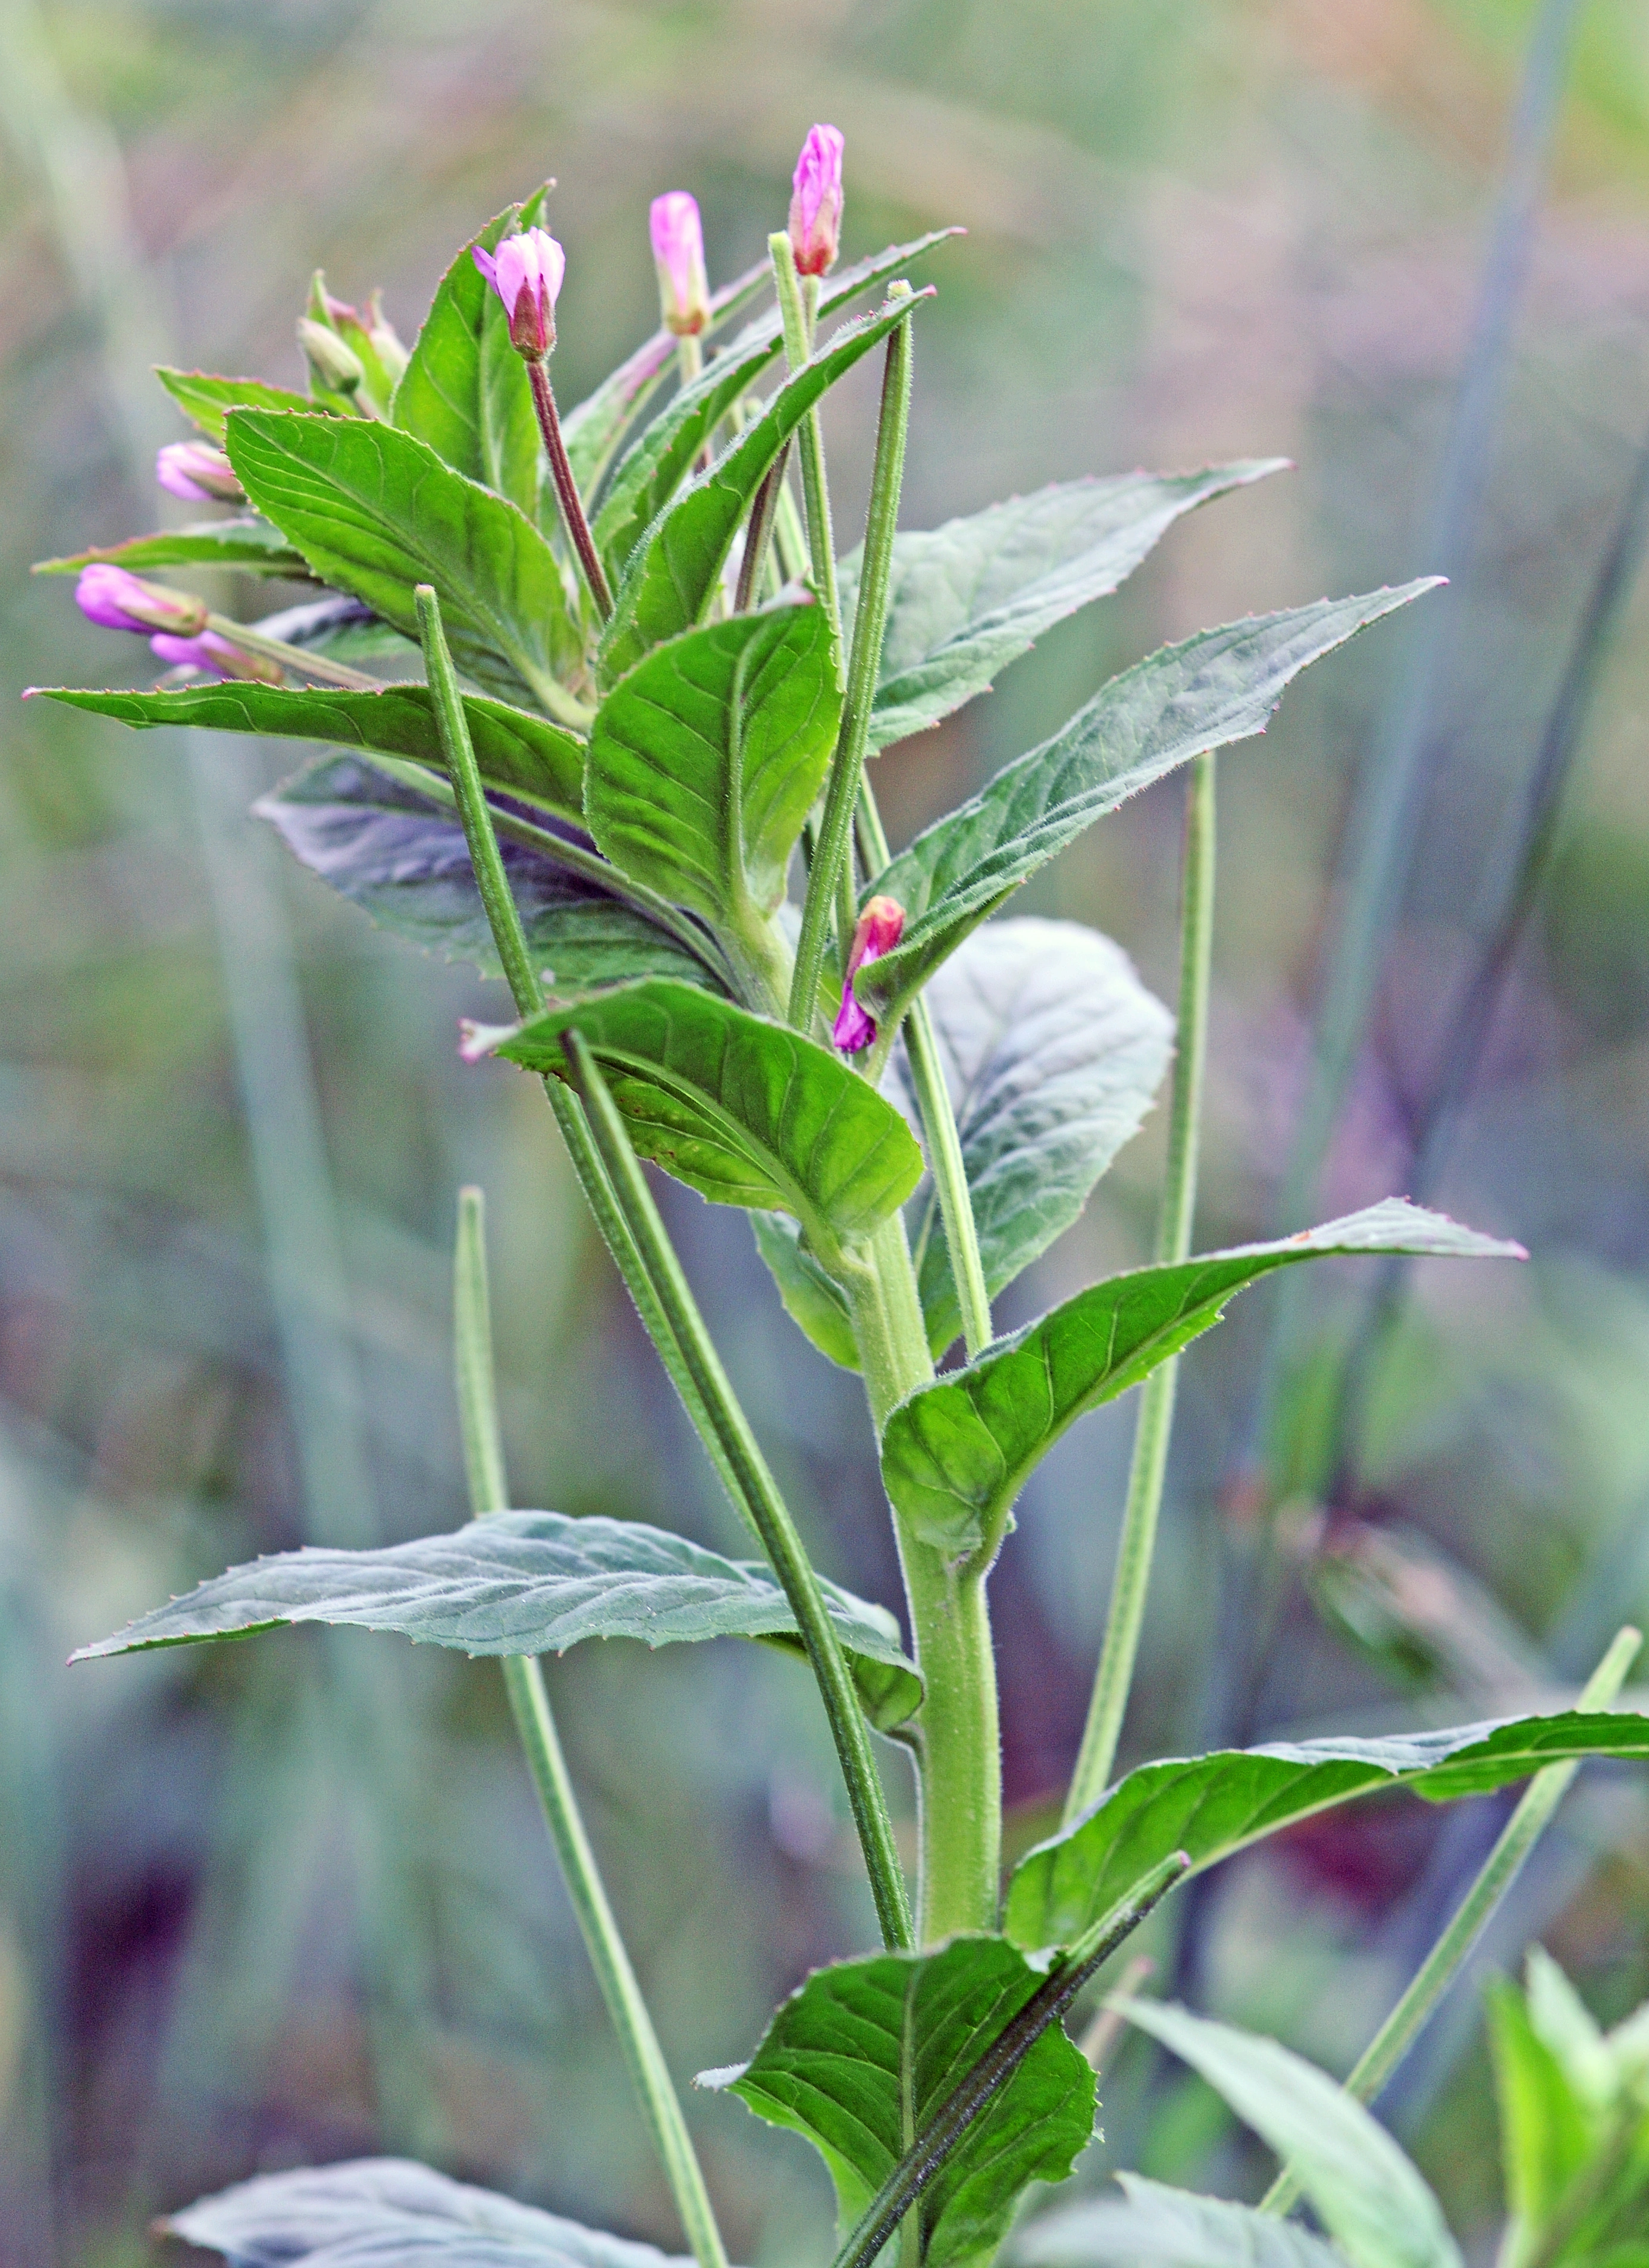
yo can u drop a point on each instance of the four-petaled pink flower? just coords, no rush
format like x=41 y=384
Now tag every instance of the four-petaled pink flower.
x=525 y=272
x=678 y=251
x=209 y=651
x=198 y=471
x=815 y=207
x=119 y=600
x=880 y=928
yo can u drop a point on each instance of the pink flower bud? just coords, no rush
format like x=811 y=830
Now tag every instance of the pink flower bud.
x=678 y=252
x=118 y=601
x=198 y=471
x=815 y=206
x=216 y=654
x=525 y=272
x=880 y=928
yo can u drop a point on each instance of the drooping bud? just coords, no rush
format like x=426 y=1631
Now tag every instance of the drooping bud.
x=119 y=600
x=815 y=205
x=678 y=252
x=525 y=272
x=199 y=472
x=216 y=654
x=879 y=929
x=336 y=368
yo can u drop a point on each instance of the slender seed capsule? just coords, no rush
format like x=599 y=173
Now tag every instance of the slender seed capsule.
x=525 y=272
x=678 y=252
x=880 y=928
x=815 y=205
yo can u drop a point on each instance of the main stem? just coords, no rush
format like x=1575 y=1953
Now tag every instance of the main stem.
x=1499 y=1870
x=567 y=487
x=529 y=1703
x=1149 y=1467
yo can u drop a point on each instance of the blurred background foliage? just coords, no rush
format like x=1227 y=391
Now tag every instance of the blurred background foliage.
x=291 y=1900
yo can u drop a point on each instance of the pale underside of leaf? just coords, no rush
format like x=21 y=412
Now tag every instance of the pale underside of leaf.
x=1153 y=2226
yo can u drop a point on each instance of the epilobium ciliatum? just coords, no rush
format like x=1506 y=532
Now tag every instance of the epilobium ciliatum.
x=642 y=738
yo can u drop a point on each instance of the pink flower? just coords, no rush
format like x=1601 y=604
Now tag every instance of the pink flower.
x=209 y=651
x=880 y=928
x=118 y=601
x=197 y=472
x=815 y=207
x=678 y=252
x=525 y=272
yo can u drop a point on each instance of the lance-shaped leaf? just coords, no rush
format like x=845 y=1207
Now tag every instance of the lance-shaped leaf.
x=1367 y=2194
x=208 y=400
x=595 y=427
x=465 y=389
x=1218 y=686
x=865 y=2052
x=382 y=2211
x=1151 y=2226
x=675 y=568
x=1210 y=1806
x=376 y=512
x=745 y=1111
x=244 y=542
x=401 y=857
x=523 y=754
x=705 y=760
x=955 y=1456
x=529 y=1582
x=1052 y=1051
x=972 y=596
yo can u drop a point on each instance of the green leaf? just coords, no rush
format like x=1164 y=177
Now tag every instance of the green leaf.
x=386 y=2210
x=813 y=1302
x=865 y=2053
x=1218 y=686
x=402 y=858
x=745 y=1111
x=518 y=751
x=246 y=542
x=955 y=1456
x=526 y=1582
x=1052 y=1052
x=1563 y=2021
x=1547 y=2134
x=465 y=389
x=970 y=597
x=1212 y=1805
x=1368 y=2196
x=1162 y=2227
x=209 y=400
x=376 y=512
x=593 y=430
x=705 y=760
x=675 y=568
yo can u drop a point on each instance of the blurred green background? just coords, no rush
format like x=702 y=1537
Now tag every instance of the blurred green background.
x=291 y=1900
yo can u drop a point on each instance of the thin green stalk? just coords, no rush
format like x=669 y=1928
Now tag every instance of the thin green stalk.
x=298 y=659
x=870 y=620
x=798 y=310
x=946 y=2129
x=759 y=1491
x=1149 y=1465
x=529 y=1702
x=950 y=1175
x=1499 y=1870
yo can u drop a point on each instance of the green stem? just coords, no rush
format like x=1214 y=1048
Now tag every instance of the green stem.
x=1499 y=1870
x=298 y=659
x=1137 y=1541
x=759 y=1491
x=974 y=2093
x=869 y=621
x=950 y=1175
x=797 y=310
x=529 y=1702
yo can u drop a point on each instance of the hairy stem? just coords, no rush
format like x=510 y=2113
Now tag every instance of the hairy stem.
x=529 y=1703
x=833 y=844
x=950 y=1175
x=798 y=310
x=760 y=1493
x=567 y=488
x=1499 y=1870
x=1149 y=1465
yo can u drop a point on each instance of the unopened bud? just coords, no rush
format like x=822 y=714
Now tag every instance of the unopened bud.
x=119 y=600
x=198 y=471
x=215 y=655
x=879 y=929
x=338 y=369
x=525 y=272
x=815 y=205
x=678 y=252
x=385 y=338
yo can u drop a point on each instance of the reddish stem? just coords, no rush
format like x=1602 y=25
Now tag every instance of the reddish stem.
x=567 y=488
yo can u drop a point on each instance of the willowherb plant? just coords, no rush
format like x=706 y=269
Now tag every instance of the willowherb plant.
x=627 y=699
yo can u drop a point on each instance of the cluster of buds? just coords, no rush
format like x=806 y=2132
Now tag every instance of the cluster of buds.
x=199 y=472
x=175 y=622
x=355 y=356
x=525 y=272
x=879 y=929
